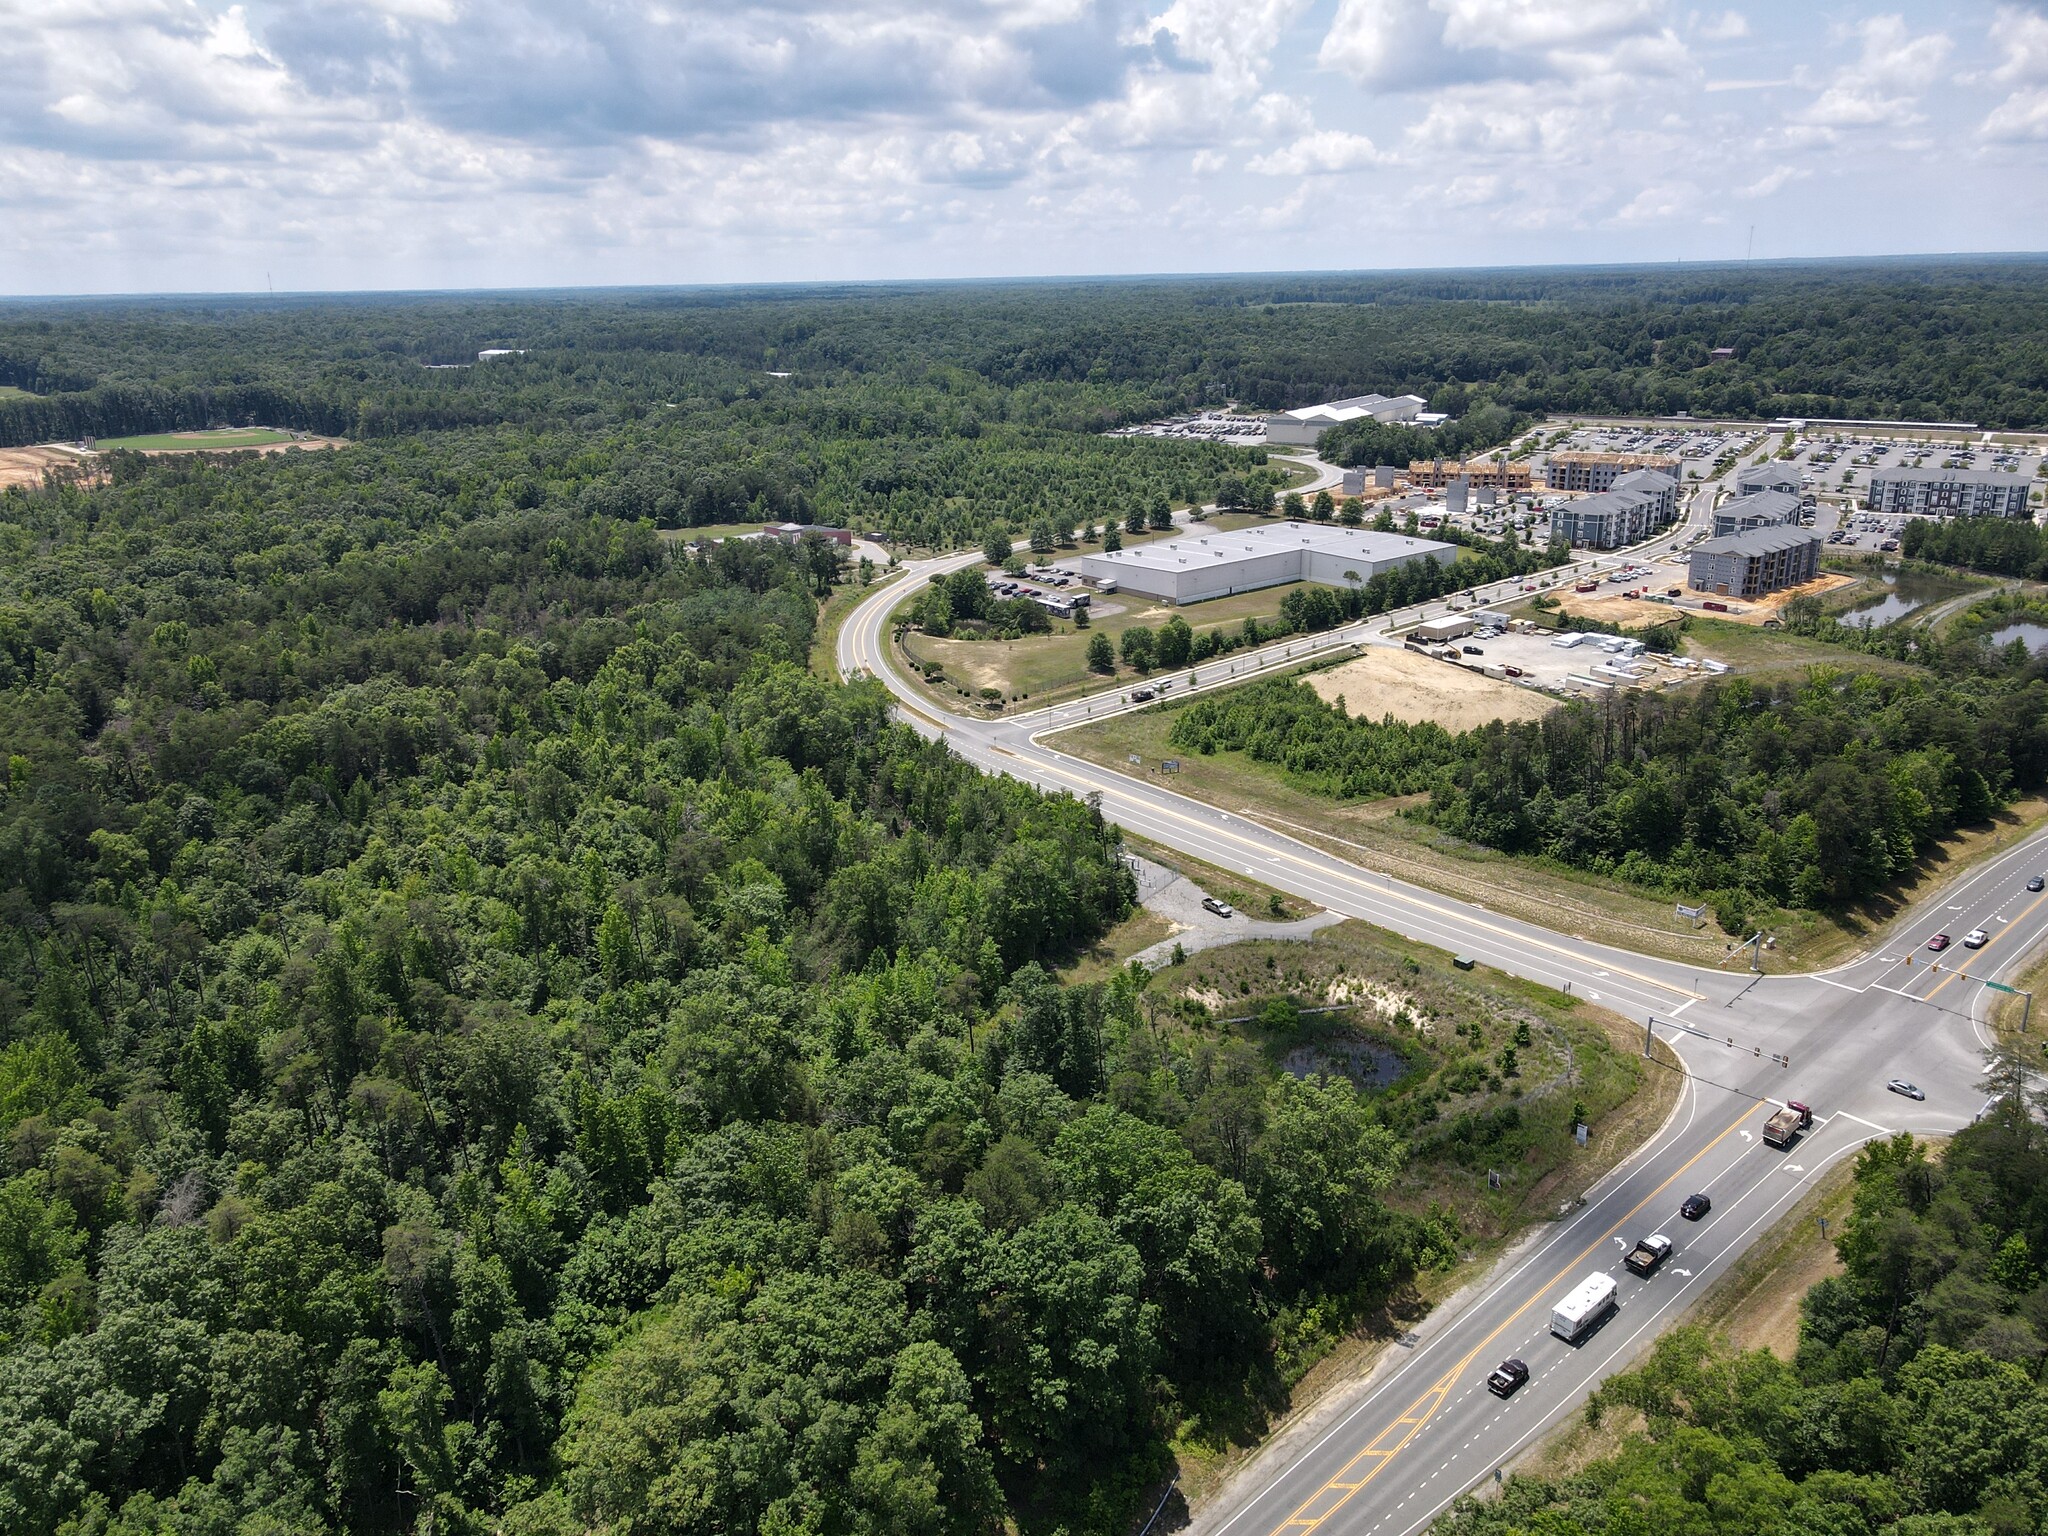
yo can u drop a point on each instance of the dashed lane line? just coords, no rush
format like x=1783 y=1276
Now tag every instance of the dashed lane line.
x=1369 y=1461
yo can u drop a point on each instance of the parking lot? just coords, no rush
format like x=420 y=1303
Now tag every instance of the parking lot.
x=1700 y=448
x=1208 y=427
x=1835 y=468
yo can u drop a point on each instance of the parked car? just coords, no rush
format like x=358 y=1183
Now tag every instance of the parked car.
x=1220 y=908
x=1976 y=938
x=1695 y=1206
x=1472 y=650
x=1938 y=943
x=1507 y=1377
x=1900 y=1086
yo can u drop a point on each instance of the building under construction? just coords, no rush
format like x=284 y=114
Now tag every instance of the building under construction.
x=1574 y=470
x=1479 y=474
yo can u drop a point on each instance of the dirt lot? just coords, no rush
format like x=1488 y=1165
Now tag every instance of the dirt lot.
x=1630 y=612
x=25 y=466
x=1412 y=688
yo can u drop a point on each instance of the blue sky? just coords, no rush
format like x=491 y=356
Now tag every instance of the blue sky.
x=150 y=145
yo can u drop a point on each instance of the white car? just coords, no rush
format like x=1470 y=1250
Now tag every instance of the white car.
x=1976 y=938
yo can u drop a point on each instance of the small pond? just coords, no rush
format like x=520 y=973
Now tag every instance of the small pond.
x=1367 y=1063
x=1905 y=594
x=2036 y=636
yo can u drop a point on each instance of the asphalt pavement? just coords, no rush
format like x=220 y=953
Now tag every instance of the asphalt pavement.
x=1426 y=1429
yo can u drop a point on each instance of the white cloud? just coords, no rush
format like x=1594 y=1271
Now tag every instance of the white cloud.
x=1884 y=84
x=2021 y=37
x=199 y=143
x=1422 y=44
x=1324 y=153
x=1660 y=204
x=1774 y=180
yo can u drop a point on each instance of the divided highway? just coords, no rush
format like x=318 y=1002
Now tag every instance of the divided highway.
x=1426 y=1429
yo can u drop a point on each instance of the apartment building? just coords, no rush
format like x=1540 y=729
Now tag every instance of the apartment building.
x=1480 y=474
x=1754 y=563
x=1948 y=492
x=1577 y=470
x=1759 y=509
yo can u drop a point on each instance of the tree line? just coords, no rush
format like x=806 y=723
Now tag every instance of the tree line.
x=1815 y=794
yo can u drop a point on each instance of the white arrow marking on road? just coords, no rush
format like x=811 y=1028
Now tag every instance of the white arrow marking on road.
x=1685 y=1272
x=1747 y=1137
x=1795 y=1167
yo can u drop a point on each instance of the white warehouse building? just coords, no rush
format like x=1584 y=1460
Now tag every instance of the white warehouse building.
x=1197 y=565
x=1304 y=425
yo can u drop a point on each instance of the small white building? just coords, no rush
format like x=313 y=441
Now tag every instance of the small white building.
x=1205 y=563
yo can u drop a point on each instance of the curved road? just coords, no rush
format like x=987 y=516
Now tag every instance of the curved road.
x=1426 y=1430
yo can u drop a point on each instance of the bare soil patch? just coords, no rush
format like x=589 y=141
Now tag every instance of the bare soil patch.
x=1382 y=681
x=27 y=466
x=1636 y=612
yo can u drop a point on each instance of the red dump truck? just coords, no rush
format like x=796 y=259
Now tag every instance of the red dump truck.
x=1783 y=1128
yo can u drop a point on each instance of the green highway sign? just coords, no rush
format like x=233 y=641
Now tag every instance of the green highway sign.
x=1999 y=986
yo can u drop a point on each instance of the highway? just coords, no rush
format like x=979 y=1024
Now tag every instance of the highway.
x=1425 y=1429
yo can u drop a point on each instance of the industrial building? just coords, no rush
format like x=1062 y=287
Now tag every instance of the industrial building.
x=1480 y=474
x=1948 y=492
x=1753 y=563
x=1771 y=475
x=1759 y=509
x=1303 y=426
x=1577 y=470
x=1639 y=503
x=1200 y=564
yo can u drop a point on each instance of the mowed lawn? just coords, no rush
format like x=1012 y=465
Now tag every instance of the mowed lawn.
x=198 y=442
x=1046 y=668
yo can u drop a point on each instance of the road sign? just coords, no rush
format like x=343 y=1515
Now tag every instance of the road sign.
x=1999 y=986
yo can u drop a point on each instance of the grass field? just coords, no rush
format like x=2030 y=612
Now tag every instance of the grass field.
x=10 y=392
x=198 y=442
x=1048 y=668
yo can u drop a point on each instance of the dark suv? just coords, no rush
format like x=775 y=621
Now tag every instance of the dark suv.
x=1506 y=1377
x=1695 y=1207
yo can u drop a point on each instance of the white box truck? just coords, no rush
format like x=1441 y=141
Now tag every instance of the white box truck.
x=1580 y=1312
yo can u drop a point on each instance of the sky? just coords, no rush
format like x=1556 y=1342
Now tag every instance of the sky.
x=300 y=145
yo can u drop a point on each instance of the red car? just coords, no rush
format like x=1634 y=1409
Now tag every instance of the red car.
x=1938 y=942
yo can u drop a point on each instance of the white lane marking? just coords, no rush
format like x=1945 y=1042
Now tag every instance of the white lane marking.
x=1825 y=981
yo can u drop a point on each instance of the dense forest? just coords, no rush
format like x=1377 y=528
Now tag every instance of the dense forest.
x=1815 y=794
x=1915 y=1404
x=488 y=1039
x=1919 y=339
x=2004 y=546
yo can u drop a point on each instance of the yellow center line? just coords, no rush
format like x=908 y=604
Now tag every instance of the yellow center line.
x=1419 y=1412
x=1935 y=990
